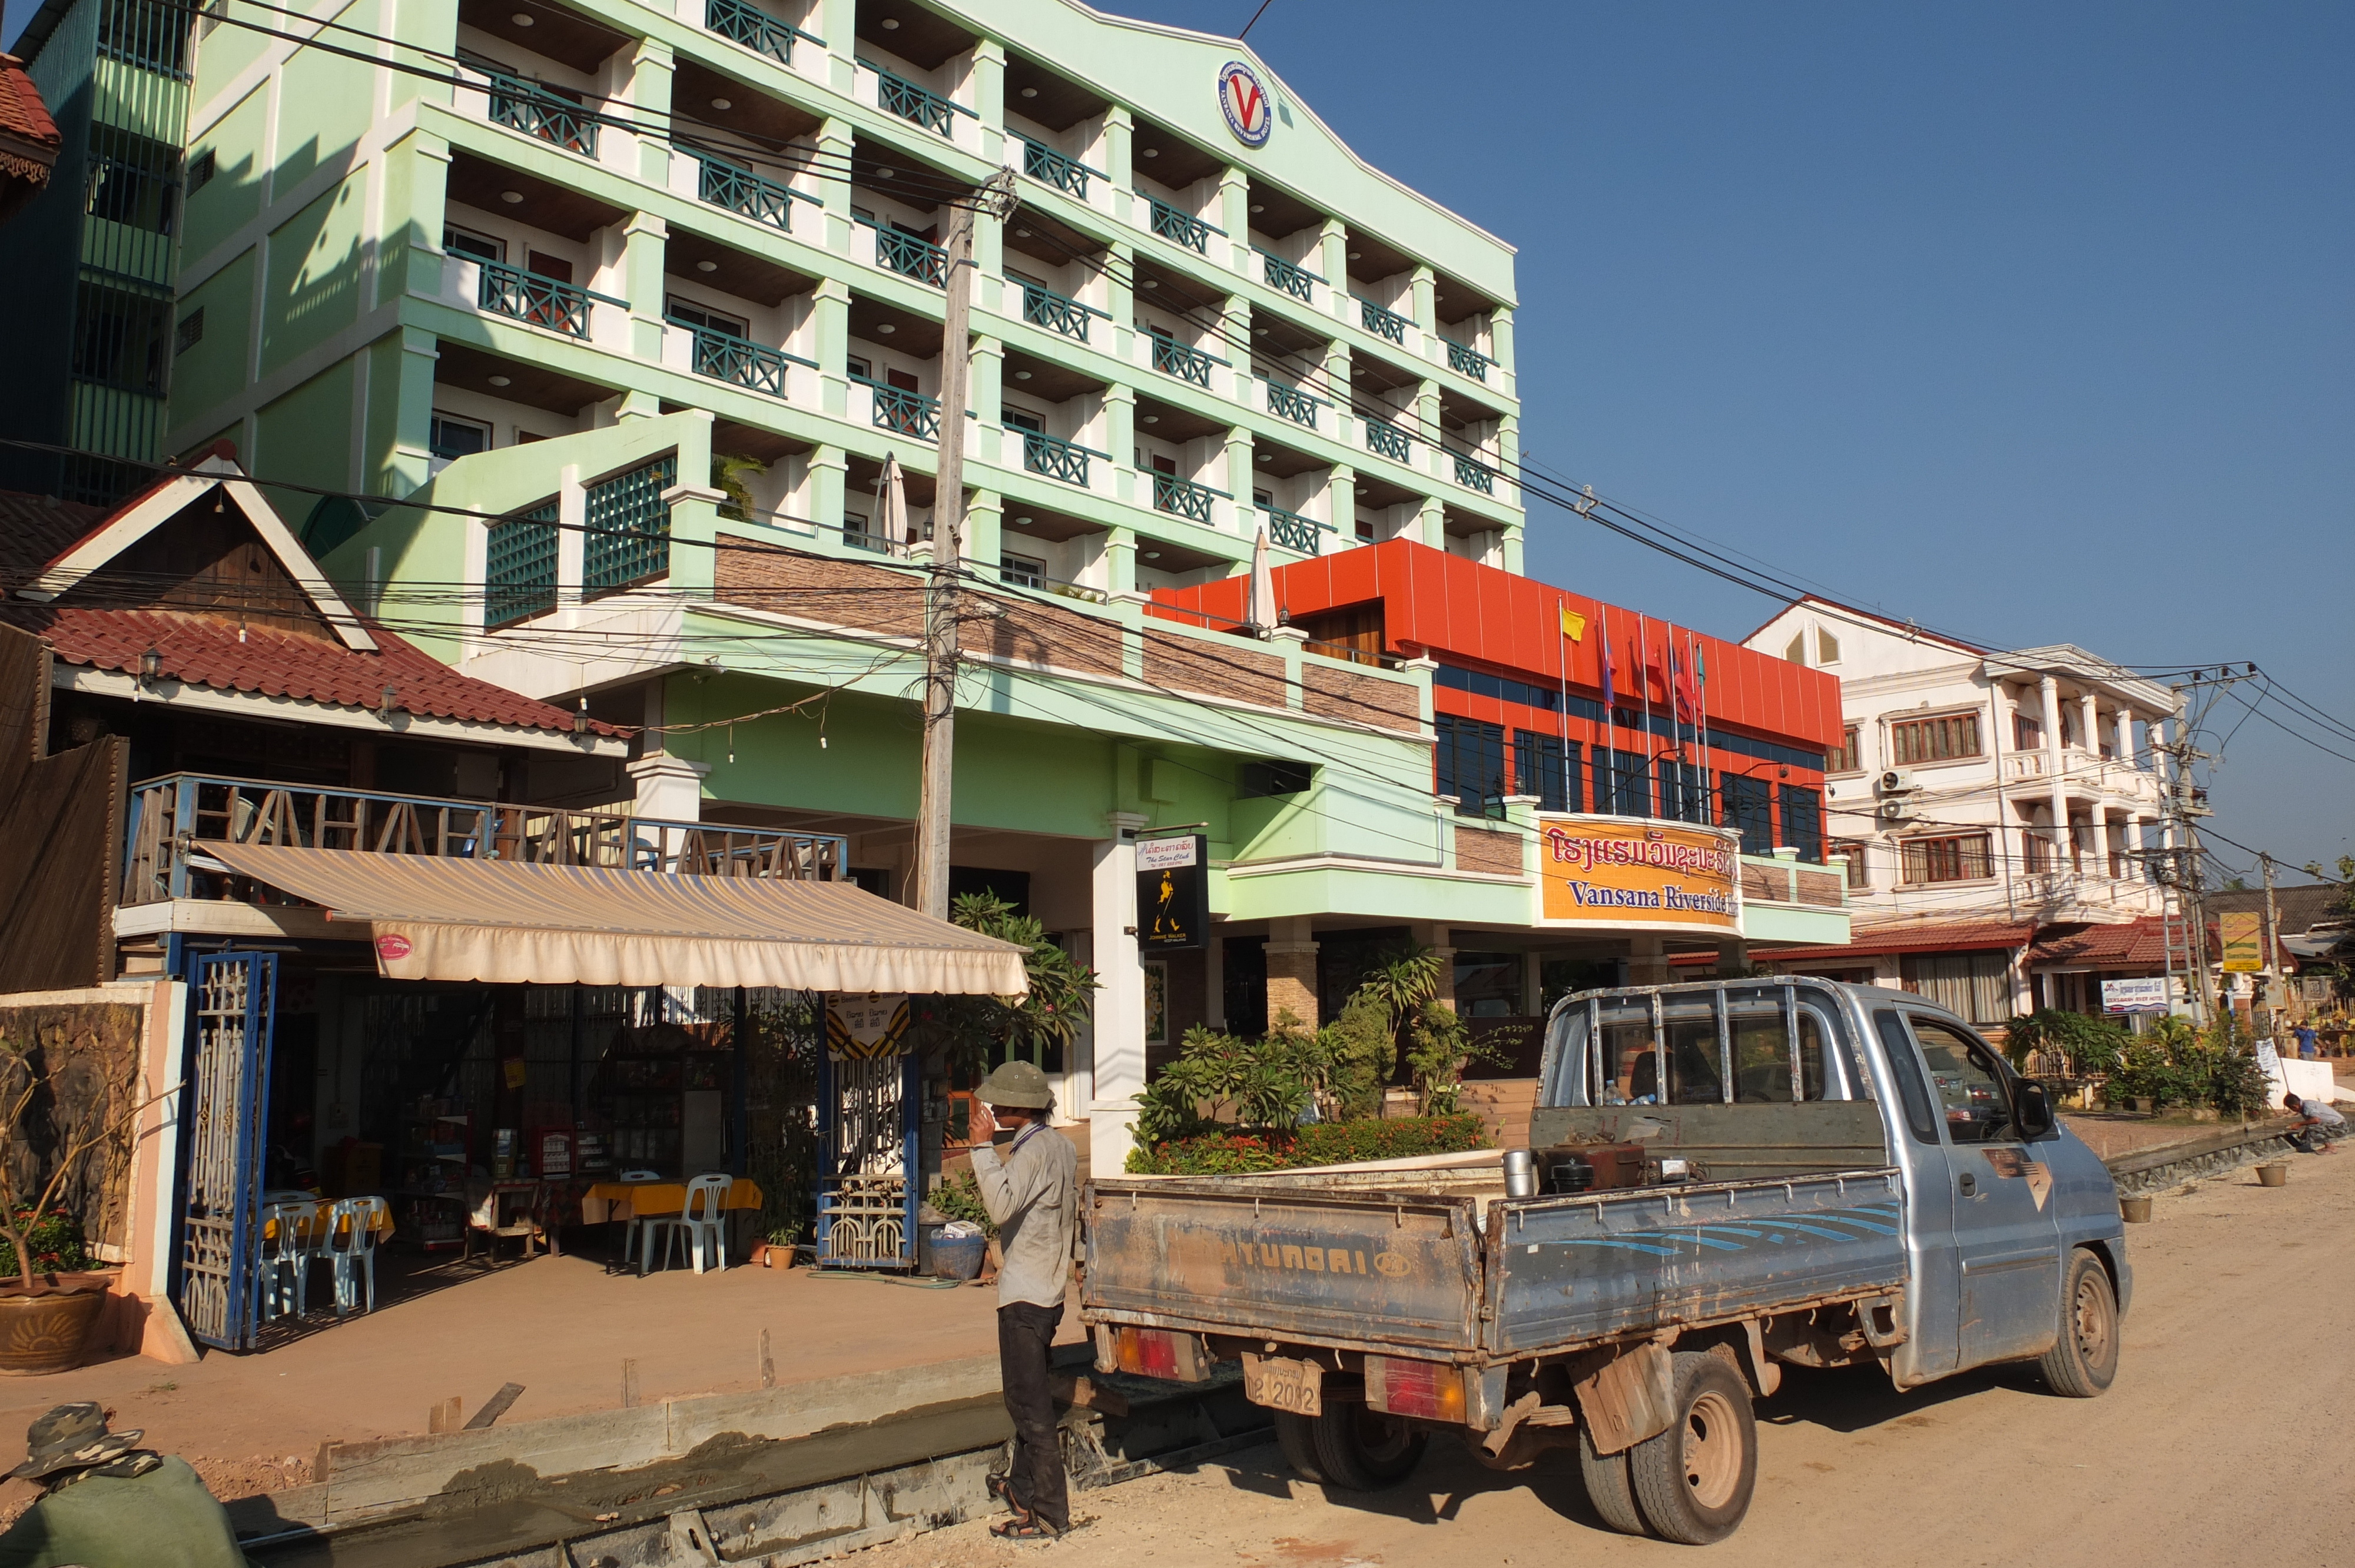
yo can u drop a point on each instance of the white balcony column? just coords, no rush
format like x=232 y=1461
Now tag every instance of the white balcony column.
x=2124 y=744
x=2053 y=773
x=1341 y=505
x=669 y=789
x=1500 y=341
x=572 y=514
x=1120 y=129
x=1120 y=299
x=1425 y=308
x=1234 y=216
x=1239 y=480
x=1116 y=1071
x=645 y=243
x=1332 y=255
x=834 y=142
x=830 y=313
x=1120 y=439
x=2089 y=725
x=1234 y=327
x=651 y=64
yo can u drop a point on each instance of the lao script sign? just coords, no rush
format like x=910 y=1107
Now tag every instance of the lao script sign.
x=1611 y=871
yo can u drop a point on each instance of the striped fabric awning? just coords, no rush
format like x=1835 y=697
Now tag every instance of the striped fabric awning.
x=508 y=922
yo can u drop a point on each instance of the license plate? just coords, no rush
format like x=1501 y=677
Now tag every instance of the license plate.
x=1297 y=1387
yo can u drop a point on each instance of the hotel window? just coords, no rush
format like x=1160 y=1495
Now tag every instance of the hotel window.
x=1945 y=738
x=1803 y=822
x=1958 y=857
x=1470 y=756
x=2026 y=734
x=1622 y=785
x=1846 y=758
x=1684 y=790
x=1022 y=571
x=1851 y=856
x=1827 y=646
x=1976 y=986
x=1748 y=804
x=1545 y=766
x=450 y=437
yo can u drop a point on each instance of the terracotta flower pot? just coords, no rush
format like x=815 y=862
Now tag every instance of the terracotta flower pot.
x=49 y=1330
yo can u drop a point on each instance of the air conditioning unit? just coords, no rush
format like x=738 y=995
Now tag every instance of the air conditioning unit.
x=1896 y=781
x=1895 y=810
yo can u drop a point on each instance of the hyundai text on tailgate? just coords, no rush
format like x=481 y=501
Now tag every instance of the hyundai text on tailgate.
x=1725 y=1178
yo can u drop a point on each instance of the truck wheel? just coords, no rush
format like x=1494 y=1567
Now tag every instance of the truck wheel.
x=1694 y=1479
x=2085 y=1359
x=1362 y=1449
x=1608 y=1488
x=1296 y=1435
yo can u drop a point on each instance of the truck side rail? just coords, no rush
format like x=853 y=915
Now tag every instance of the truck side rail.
x=1590 y=1266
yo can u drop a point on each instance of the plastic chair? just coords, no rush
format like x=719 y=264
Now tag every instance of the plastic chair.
x=350 y=1244
x=703 y=1217
x=286 y=1258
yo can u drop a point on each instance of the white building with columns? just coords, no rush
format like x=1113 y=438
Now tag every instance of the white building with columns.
x=1980 y=797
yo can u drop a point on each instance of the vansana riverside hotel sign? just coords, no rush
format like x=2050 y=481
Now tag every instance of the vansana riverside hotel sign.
x=1612 y=871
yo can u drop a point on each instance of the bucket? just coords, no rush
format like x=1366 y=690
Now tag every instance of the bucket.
x=2274 y=1175
x=958 y=1257
x=2135 y=1210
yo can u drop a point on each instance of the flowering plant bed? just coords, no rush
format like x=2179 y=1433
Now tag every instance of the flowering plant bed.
x=1238 y=1150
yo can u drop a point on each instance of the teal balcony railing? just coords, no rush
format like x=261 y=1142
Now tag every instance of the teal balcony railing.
x=520 y=571
x=1293 y=532
x=903 y=412
x=627 y=540
x=754 y=28
x=1056 y=312
x=1174 y=359
x=740 y=190
x=536 y=111
x=912 y=256
x=724 y=356
x=1044 y=164
x=1183 y=498
x=1475 y=475
x=1295 y=406
x=543 y=301
x=1181 y=227
x=1383 y=322
x=1289 y=277
x=1468 y=362
x=1055 y=457
x=1386 y=439
x=913 y=101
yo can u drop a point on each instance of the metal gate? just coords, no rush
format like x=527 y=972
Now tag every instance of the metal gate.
x=869 y=1102
x=228 y=1105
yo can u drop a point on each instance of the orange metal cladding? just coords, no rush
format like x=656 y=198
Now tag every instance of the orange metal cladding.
x=1464 y=612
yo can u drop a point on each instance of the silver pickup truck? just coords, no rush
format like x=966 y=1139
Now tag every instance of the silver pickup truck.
x=1729 y=1176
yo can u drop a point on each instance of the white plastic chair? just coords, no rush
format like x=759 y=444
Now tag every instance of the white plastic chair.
x=703 y=1218
x=286 y=1258
x=350 y=1244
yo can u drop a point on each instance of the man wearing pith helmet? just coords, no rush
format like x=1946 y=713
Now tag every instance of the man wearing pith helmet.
x=1029 y=1175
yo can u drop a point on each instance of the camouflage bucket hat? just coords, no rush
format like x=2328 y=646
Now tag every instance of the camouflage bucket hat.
x=72 y=1437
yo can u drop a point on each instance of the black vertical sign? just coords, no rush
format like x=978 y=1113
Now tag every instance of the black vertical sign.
x=1173 y=894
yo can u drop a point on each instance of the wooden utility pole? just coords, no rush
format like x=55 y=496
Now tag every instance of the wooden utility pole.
x=948 y=552
x=2274 y=981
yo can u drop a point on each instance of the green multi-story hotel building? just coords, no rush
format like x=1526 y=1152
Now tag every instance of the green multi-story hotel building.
x=623 y=309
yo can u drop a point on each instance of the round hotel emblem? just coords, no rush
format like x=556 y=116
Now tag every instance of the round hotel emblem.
x=394 y=947
x=1250 y=115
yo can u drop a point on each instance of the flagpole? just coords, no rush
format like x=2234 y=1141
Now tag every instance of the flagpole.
x=1644 y=682
x=1610 y=717
x=1562 y=714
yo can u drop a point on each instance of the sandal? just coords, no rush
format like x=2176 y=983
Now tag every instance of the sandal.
x=1024 y=1527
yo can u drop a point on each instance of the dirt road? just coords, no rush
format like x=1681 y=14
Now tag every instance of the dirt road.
x=2229 y=1438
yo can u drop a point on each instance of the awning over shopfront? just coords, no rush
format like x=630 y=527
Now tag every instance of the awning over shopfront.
x=508 y=922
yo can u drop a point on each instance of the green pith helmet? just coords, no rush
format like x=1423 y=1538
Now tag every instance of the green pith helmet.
x=1020 y=1084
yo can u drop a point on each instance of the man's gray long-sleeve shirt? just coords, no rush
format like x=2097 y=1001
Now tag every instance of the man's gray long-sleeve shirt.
x=1031 y=1190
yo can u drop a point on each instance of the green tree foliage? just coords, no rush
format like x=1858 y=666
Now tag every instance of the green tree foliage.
x=2085 y=1047
x=979 y=1031
x=1230 y=1151
x=728 y=471
x=2178 y=1065
x=1439 y=1048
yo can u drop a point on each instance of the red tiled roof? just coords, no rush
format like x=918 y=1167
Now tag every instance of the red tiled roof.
x=23 y=115
x=1954 y=937
x=2136 y=944
x=216 y=652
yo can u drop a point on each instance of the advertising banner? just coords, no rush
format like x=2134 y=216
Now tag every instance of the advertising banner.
x=1173 y=893
x=2135 y=995
x=1611 y=871
x=2244 y=942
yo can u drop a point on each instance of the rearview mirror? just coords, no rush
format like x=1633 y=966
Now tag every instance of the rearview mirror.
x=2035 y=1111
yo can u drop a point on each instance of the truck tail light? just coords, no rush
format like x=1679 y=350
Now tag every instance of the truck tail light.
x=1159 y=1352
x=1430 y=1390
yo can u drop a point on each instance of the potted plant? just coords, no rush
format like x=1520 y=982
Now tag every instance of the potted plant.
x=50 y=1299
x=776 y=1249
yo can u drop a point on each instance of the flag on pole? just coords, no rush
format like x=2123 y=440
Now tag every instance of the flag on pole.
x=1610 y=698
x=1573 y=625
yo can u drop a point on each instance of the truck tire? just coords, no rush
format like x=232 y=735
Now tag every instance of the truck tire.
x=1693 y=1481
x=2084 y=1360
x=1608 y=1487
x=1361 y=1449
x=1296 y=1435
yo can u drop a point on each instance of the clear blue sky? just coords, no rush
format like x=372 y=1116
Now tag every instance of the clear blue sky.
x=2031 y=322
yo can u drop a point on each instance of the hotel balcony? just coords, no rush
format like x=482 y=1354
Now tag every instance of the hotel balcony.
x=916 y=65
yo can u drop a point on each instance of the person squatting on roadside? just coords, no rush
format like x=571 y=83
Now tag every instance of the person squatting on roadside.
x=108 y=1503
x=1028 y=1176
x=2319 y=1126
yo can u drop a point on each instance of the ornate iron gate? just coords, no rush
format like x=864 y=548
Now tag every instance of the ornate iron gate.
x=227 y=1104
x=869 y=1099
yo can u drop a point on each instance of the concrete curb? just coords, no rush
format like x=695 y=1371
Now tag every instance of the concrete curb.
x=2154 y=1169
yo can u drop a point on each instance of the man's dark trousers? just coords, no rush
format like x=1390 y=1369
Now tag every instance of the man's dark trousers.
x=1025 y=1332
